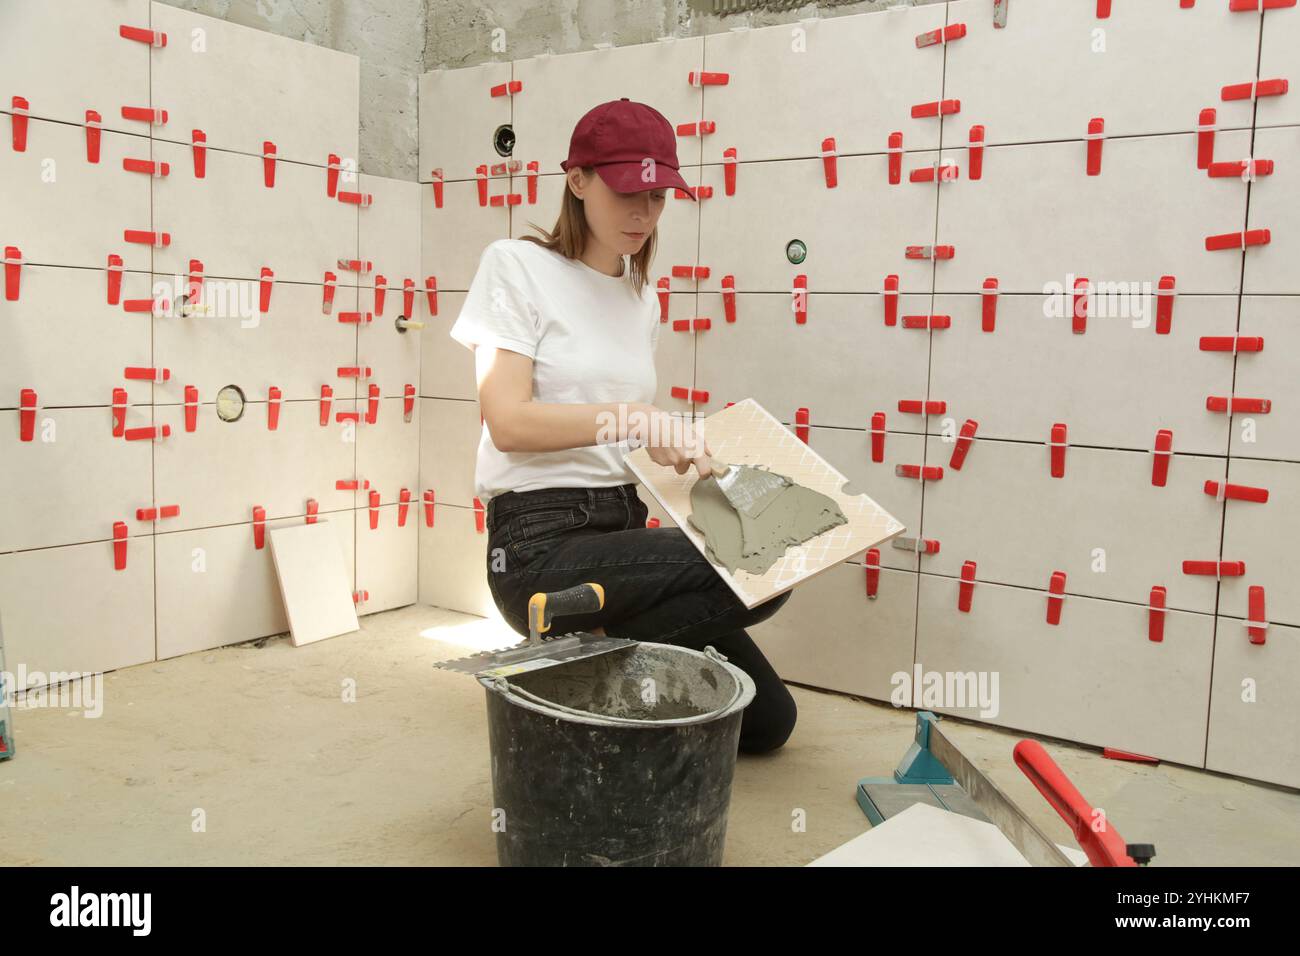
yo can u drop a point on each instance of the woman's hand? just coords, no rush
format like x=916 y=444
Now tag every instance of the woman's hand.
x=672 y=440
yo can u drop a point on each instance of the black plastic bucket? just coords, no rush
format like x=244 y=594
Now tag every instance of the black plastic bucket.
x=624 y=759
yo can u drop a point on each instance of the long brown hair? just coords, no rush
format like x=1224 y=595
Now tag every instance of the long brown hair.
x=571 y=232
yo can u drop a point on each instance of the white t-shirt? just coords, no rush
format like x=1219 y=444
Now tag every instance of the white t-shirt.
x=591 y=339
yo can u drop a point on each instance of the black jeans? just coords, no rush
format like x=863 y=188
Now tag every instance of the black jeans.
x=658 y=587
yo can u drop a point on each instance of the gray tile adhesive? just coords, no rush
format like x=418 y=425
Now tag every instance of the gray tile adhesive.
x=735 y=540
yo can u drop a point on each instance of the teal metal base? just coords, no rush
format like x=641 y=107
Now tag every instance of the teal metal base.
x=918 y=778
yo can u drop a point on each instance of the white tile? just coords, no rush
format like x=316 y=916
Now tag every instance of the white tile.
x=235 y=343
x=1113 y=533
x=221 y=470
x=315 y=585
x=388 y=452
x=216 y=587
x=453 y=238
x=68 y=57
x=449 y=440
x=1262 y=534
x=231 y=222
x=858 y=99
x=390 y=350
x=68 y=609
x=819 y=365
x=461 y=122
x=1035 y=216
x=1095 y=677
x=62 y=210
x=855 y=234
x=747 y=434
x=1147 y=68
x=1275 y=206
x=831 y=634
x=453 y=561
x=1254 y=709
x=390 y=236
x=388 y=557
x=1281 y=37
x=61 y=318
x=73 y=480
x=1114 y=385
x=302 y=97
x=924 y=835
x=446 y=366
x=848 y=450
x=1269 y=374
x=675 y=353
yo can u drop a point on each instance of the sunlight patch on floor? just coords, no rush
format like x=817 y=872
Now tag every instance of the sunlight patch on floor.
x=483 y=634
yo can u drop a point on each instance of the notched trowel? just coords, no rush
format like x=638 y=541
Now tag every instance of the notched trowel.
x=749 y=490
x=538 y=651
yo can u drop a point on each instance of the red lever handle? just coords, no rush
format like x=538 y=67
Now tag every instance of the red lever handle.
x=1105 y=847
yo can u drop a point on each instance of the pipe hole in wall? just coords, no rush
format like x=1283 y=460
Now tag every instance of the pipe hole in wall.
x=230 y=403
x=503 y=140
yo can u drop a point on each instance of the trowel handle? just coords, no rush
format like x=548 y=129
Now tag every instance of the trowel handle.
x=545 y=605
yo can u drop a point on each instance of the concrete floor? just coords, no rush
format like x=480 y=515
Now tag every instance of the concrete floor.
x=259 y=738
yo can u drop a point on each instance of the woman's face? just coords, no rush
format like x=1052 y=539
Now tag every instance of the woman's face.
x=621 y=222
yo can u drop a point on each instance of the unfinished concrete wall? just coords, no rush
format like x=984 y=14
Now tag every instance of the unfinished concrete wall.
x=460 y=32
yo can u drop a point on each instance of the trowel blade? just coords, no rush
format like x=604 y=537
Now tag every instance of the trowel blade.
x=751 y=490
x=530 y=657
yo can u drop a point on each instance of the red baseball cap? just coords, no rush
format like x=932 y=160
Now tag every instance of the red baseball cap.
x=618 y=137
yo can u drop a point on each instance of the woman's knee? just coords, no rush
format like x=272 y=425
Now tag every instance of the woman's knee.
x=767 y=726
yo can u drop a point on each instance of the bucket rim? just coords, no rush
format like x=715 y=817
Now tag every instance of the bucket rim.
x=746 y=690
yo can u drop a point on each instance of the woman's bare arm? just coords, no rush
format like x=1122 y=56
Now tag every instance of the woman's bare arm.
x=516 y=423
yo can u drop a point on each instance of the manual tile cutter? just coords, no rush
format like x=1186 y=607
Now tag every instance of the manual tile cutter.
x=936 y=772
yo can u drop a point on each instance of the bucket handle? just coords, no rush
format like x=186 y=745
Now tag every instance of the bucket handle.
x=503 y=686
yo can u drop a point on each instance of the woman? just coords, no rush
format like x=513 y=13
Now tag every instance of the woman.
x=564 y=333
